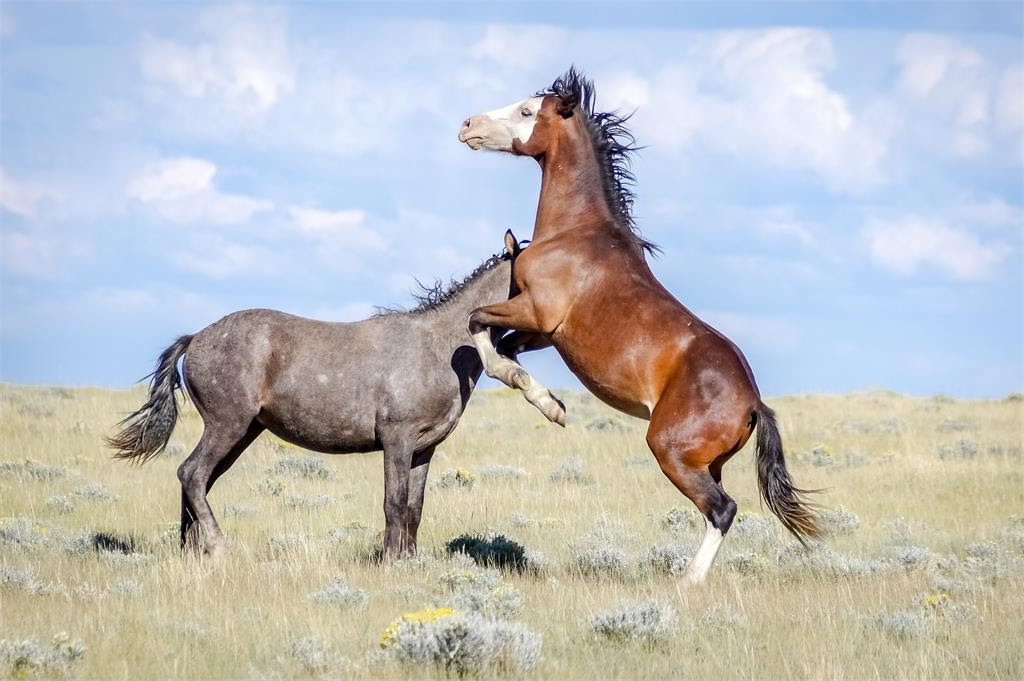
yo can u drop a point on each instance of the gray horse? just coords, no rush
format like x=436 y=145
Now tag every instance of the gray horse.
x=398 y=381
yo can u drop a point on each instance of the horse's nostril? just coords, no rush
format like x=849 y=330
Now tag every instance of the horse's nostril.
x=465 y=123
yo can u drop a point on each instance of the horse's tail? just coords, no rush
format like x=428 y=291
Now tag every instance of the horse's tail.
x=783 y=498
x=144 y=433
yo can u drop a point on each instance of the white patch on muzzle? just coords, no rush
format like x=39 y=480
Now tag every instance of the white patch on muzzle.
x=495 y=130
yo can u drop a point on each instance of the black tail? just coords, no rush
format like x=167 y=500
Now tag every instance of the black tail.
x=776 y=484
x=144 y=433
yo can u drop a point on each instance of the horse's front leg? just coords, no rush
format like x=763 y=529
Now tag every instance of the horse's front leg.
x=398 y=455
x=516 y=314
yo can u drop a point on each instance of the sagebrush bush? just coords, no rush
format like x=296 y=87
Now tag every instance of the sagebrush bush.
x=23 y=658
x=599 y=561
x=60 y=504
x=481 y=591
x=903 y=624
x=31 y=471
x=94 y=492
x=25 y=534
x=314 y=655
x=237 y=509
x=669 y=559
x=820 y=560
x=608 y=424
x=960 y=450
x=746 y=562
x=502 y=472
x=677 y=518
x=462 y=643
x=571 y=471
x=722 y=617
x=941 y=606
x=912 y=557
x=837 y=522
x=338 y=593
x=305 y=466
x=645 y=621
x=454 y=478
x=269 y=487
x=25 y=581
x=752 y=529
x=304 y=502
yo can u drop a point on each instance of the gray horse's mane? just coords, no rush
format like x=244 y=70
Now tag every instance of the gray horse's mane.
x=440 y=294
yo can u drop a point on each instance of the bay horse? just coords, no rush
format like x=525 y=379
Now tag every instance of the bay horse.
x=584 y=286
x=398 y=381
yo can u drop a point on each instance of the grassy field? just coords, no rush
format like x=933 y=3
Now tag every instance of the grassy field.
x=923 y=576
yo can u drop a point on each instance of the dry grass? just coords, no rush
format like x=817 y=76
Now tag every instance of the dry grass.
x=933 y=485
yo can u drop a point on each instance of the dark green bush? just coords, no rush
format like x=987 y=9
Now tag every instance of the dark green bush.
x=494 y=551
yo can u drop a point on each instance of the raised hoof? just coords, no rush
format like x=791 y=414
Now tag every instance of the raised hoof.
x=548 y=404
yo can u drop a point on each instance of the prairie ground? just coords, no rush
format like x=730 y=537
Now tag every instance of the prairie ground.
x=921 y=577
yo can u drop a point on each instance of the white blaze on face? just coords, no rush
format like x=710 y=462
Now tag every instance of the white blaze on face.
x=500 y=127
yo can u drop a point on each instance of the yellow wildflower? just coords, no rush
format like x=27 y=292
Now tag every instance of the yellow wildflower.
x=425 y=616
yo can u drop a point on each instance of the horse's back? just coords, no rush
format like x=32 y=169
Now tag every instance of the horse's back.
x=321 y=385
x=310 y=382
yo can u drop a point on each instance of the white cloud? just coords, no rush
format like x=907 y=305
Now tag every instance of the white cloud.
x=173 y=179
x=346 y=228
x=243 y=61
x=947 y=89
x=29 y=254
x=219 y=259
x=182 y=190
x=21 y=198
x=928 y=61
x=905 y=245
x=522 y=47
x=1009 y=106
x=991 y=211
x=758 y=95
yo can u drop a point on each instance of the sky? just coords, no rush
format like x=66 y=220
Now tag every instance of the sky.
x=837 y=187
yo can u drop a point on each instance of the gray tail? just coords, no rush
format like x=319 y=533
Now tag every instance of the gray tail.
x=780 y=494
x=144 y=433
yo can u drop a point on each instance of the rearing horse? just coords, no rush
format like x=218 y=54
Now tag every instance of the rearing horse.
x=585 y=287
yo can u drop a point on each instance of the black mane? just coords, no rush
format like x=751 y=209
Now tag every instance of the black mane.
x=439 y=294
x=613 y=144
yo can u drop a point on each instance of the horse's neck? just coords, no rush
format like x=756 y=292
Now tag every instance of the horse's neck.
x=572 y=194
x=489 y=287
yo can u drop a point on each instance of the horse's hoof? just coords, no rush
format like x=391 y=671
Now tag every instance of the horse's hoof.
x=215 y=553
x=547 y=403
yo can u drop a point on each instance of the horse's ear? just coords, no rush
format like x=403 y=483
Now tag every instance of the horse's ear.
x=567 y=104
x=511 y=244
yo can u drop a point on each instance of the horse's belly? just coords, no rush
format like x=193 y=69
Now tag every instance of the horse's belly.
x=608 y=385
x=323 y=418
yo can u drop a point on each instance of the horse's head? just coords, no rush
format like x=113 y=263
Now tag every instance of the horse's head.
x=524 y=128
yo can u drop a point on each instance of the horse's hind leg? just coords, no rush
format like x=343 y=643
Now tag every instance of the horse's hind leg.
x=414 y=506
x=217 y=450
x=685 y=467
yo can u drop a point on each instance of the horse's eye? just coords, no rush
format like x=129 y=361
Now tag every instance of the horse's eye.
x=527 y=113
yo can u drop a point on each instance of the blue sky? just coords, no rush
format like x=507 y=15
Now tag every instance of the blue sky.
x=837 y=187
